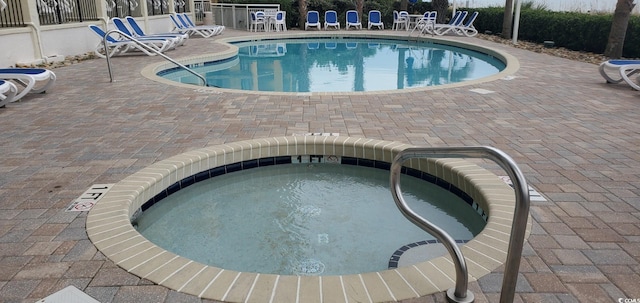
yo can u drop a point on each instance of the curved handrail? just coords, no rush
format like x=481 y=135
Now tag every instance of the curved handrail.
x=518 y=229
x=104 y=42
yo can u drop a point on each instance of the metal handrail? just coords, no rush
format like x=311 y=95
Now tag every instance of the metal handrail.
x=106 y=50
x=520 y=216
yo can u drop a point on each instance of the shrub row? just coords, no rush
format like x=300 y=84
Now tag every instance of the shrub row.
x=572 y=30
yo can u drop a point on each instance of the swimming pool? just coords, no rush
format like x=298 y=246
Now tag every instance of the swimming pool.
x=340 y=64
x=302 y=219
x=227 y=55
x=110 y=230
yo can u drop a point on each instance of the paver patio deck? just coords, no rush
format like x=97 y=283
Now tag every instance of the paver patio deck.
x=576 y=139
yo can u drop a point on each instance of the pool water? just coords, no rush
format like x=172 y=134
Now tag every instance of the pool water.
x=301 y=219
x=340 y=65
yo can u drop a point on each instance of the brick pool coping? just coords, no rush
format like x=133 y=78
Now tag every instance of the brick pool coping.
x=109 y=227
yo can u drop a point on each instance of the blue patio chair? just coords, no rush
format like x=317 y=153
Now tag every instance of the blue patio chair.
x=353 y=20
x=331 y=20
x=256 y=22
x=313 y=20
x=399 y=21
x=375 y=19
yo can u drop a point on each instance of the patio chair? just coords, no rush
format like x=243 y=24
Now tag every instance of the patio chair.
x=116 y=47
x=623 y=70
x=375 y=19
x=313 y=20
x=353 y=20
x=7 y=92
x=278 y=23
x=33 y=80
x=137 y=30
x=205 y=31
x=331 y=20
x=257 y=22
x=399 y=21
x=121 y=26
x=455 y=22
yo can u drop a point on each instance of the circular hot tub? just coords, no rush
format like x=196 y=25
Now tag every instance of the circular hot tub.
x=109 y=224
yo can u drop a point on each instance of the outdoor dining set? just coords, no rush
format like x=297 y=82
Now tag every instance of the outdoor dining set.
x=268 y=20
x=275 y=20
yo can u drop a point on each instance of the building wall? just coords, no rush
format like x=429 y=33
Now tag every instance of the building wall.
x=35 y=43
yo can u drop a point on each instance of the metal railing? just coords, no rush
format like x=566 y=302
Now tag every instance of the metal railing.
x=66 y=11
x=11 y=14
x=460 y=293
x=237 y=16
x=106 y=50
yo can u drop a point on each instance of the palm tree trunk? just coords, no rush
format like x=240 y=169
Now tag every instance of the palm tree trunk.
x=302 y=13
x=441 y=6
x=507 y=21
x=359 y=7
x=618 y=31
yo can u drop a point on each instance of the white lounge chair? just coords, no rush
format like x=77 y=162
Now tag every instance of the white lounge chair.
x=375 y=19
x=467 y=29
x=313 y=20
x=331 y=20
x=137 y=30
x=353 y=20
x=7 y=92
x=623 y=70
x=190 y=24
x=115 y=46
x=183 y=24
x=33 y=80
x=456 y=21
x=121 y=26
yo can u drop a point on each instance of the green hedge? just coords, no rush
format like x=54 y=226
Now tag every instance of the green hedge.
x=575 y=31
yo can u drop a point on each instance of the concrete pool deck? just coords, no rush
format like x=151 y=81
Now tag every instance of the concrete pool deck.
x=575 y=138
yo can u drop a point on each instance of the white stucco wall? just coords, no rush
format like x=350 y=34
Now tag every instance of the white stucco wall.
x=16 y=45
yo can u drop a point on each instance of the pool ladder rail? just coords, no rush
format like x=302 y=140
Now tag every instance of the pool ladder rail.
x=130 y=38
x=460 y=293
